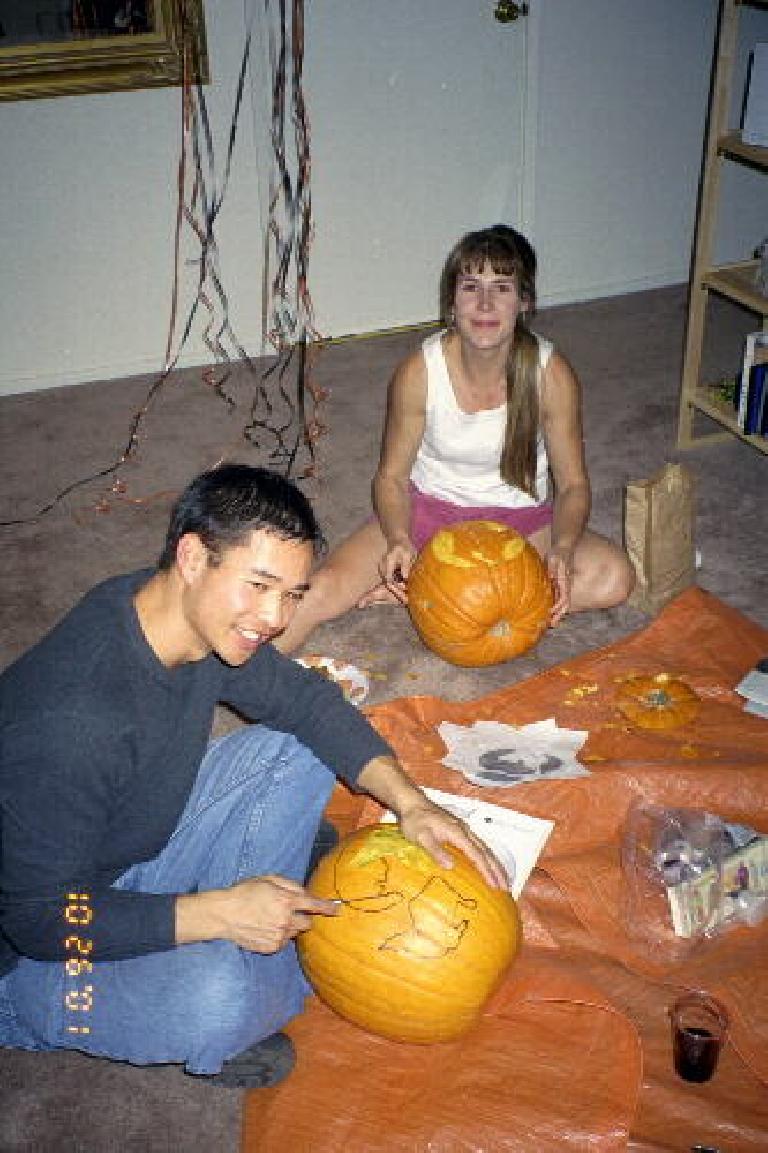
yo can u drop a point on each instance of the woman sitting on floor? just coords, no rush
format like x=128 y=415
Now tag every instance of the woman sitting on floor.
x=476 y=420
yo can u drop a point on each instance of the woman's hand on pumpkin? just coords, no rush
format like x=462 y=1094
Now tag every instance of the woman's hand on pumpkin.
x=560 y=569
x=428 y=825
x=261 y=914
x=395 y=568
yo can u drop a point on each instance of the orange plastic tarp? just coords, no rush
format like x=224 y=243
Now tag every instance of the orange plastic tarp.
x=574 y=1050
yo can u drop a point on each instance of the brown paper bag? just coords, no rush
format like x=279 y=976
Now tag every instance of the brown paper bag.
x=659 y=517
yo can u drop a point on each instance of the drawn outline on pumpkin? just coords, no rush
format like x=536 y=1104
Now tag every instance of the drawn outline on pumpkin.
x=414 y=938
x=418 y=940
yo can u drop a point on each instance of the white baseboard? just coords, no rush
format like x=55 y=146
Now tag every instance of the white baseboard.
x=607 y=288
x=13 y=385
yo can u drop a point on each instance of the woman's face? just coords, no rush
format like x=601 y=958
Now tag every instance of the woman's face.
x=487 y=305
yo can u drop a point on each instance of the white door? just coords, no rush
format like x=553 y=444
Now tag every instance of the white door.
x=417 y=112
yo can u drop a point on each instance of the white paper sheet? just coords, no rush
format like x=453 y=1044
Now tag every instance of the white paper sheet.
x=495 y=755
x=515 y=838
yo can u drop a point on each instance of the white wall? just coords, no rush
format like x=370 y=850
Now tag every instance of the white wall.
x=615 y=122
x=87 y=217
x=622 y=92
x=413 y=146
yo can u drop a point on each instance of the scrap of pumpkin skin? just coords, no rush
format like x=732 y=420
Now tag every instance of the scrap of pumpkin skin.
x=577 y=692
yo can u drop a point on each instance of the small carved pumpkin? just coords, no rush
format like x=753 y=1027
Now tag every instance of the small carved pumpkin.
x=479 y=594
x=416 y=949
x=657 y=702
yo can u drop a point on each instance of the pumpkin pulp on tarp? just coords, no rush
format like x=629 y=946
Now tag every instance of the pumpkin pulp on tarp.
x=415 y=950
x=479 y=593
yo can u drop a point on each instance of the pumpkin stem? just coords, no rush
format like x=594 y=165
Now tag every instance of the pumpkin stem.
x=658 y=699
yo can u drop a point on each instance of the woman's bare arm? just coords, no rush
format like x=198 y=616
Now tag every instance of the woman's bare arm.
x=403 y=431
x=561 y=425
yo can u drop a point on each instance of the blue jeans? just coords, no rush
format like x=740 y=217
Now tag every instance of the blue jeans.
x=254 y=810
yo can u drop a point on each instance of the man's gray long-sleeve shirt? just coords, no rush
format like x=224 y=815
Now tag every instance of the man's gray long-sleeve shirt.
x=100 y=745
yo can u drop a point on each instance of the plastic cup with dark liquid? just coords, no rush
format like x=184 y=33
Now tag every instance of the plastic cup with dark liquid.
x=699 y=1029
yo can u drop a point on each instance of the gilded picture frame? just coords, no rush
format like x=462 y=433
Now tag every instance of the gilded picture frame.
x=82 y=60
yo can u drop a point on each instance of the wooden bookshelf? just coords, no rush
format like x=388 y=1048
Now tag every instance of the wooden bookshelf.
x=736 y=282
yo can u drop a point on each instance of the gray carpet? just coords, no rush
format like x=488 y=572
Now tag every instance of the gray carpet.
x=627 y=351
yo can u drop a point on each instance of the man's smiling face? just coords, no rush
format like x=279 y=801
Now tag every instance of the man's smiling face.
x=239 y=598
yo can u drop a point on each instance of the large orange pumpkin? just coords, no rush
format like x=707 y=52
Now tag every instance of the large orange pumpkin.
x=657 y=702
x=479 y=594
x=416 y=949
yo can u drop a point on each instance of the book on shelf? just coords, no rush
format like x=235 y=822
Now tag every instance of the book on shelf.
x=755 y=118
x=752 y=386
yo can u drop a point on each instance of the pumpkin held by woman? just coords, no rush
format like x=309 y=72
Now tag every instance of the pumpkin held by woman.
x=416 y=949
x=657 y=702
x=479 y=594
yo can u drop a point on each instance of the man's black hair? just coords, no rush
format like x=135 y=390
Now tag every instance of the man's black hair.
x=225 y=505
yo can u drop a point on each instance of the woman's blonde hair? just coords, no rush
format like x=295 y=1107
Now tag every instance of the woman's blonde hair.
x=509 y=254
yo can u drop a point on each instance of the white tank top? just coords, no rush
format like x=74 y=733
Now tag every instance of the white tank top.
x=460 y=453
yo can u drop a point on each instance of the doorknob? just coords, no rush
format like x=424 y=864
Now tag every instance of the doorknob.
x=506 y=11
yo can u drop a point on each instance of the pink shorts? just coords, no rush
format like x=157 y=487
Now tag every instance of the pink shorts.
x=429 y=513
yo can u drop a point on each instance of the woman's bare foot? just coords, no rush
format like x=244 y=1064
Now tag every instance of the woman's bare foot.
x=384 y=594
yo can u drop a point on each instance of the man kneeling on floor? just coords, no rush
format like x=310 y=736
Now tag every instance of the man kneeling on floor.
x=151 y=883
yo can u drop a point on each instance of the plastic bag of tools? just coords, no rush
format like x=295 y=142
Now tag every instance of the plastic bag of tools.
x=687 y=876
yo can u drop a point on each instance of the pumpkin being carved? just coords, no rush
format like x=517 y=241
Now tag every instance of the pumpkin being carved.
x=416 y=949
x=657 y=702
x=479 y=594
